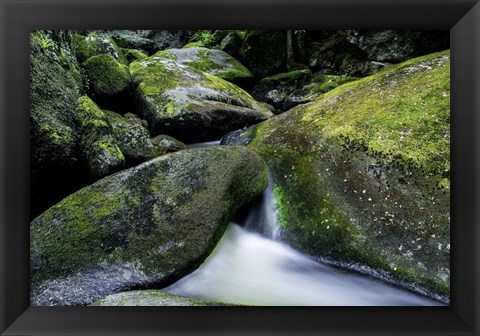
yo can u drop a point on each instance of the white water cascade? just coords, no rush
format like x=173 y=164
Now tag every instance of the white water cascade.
x=249 y=267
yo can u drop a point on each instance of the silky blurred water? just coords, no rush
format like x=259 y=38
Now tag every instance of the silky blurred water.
x=249 y=267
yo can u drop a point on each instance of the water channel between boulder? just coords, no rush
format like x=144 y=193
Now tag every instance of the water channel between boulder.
x=251 y=266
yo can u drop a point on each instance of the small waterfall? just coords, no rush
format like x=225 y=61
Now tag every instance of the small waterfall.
x=249 y=267
x=263 y=215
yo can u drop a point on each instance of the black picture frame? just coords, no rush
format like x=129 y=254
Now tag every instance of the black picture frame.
x=19 y=17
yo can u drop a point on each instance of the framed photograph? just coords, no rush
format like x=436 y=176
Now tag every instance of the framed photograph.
x=279 y=167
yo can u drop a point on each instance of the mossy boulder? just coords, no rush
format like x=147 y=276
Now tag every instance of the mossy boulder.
x=286 y=90
x=231 y=44
x=95 y=44
x=132 y=55
x=168 y=39
x=55 y=85
x=214 y=62
x=107 y=78
x=133 y=138
x=54 y=91
x=264 y=52
x=98 y=144
x=149 y=298
x=189 y=104
x=169 y=143
x=362 y=174
x=145 y=226
x=130 y=39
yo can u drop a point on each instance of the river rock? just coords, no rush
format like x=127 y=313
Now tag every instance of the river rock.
x=98 y=144
x=55 y=85
x=108 y=79
x=132 y=55
x=131 y=39
x=148 y=225
x=286 y=90
x=168 y=39
x=169 y=143
x=264 y=52
x=189 y=104
x=362 y=174
x=231 y=44
x=95 y=44
x=133 y=138
x=214 y=62
x=149 y=298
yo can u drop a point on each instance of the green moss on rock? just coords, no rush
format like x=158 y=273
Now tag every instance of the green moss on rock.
x=360 y=174
x=98 y=144
x=54 y=91
x=189 y=104
x=106 y=76
x=288 y=77
x=160 y=219
x=95 y=44
x=214 y=62
x=133 y=139
x=133 y=55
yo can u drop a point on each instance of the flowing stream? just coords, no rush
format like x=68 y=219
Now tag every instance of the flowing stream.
x=249 y=266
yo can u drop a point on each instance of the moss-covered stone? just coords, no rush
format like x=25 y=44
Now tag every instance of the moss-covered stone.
x=232 y=43
x=130 y=39
x=288 y=77
x=189 y=104
x=169 y=143
x=214 y=62
x=55 y=85
x=286 y=90
x=53 y=99
x=362 y=173
x=133 y=139
x=107 y=77
x=98 y=144
x=192 y=45
x=95 y=44
x=132 y=55
x=149 y=298
x=148 y=225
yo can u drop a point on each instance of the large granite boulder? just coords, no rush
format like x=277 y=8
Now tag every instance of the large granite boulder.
x=95 y=44
x=148 y=225
x=189 y=104
x=55 y=85
x=214 y=62
x=130 y=39
x=98 y=145
x=109 y=81
x=362 y=174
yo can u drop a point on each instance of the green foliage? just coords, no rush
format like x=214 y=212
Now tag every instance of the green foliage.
x=43 y=39
x=203 y=38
